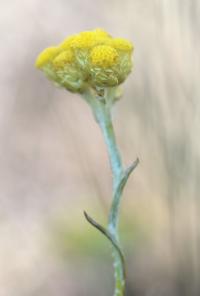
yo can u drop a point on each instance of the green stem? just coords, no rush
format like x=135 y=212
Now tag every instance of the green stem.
x=102 y=111
x=104 y=119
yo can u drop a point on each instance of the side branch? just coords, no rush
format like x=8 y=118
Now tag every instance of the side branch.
x=114 y=210
x=108 y=235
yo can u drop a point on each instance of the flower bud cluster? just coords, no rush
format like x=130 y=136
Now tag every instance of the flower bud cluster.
x=91 y=59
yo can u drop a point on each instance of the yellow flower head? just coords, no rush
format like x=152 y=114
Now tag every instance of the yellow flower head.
x=88 y=59
x=104 y=56
x=64 y=58
x=122 y=44
x=46 y=56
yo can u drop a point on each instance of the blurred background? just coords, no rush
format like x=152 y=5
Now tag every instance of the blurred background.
x=54 y=165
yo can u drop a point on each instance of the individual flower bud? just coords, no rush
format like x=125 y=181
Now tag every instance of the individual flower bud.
x=104 y=56
x=122 y=44
x=85 y=40
x=71 y=79
x=46 y=56
x=64 y=58
x=108 y=66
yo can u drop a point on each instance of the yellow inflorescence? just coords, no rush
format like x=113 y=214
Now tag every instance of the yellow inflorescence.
x=46 y=55
x=121 y=44
x=88 y=59
x=64 y=58
x=104 y=56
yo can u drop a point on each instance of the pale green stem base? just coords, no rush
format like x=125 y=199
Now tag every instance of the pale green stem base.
x=101 y=107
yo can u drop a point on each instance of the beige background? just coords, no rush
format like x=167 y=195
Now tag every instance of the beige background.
x=53 y=162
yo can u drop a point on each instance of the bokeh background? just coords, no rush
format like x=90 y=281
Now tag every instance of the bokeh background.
x=54 y=165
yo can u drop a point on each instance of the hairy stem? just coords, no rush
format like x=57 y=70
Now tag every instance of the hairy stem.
x=102 y=111
x=104 y=119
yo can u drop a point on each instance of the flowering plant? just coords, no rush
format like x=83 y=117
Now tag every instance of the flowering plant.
x=94 y=64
